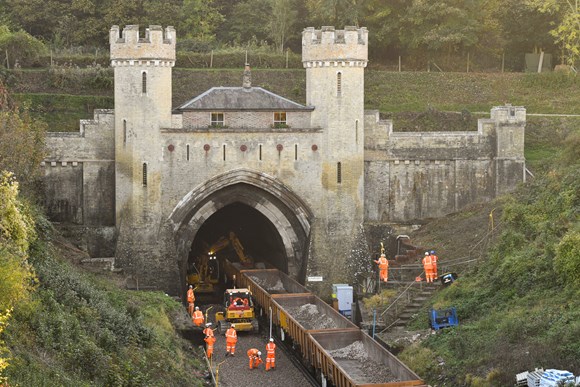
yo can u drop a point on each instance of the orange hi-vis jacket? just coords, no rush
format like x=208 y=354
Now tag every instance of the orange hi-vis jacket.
x=270 y=349
x=428 y=263
x=198 y=318
x=383 y=263
x=231 y=335
x=434 y=258
x=208 y=332
x=190 y=296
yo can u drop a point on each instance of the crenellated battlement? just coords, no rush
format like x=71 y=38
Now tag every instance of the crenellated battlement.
x=509 y=114
x=328 y=46
x=157 y=45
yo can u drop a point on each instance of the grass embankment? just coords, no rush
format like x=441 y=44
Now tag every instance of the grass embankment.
x=520 y=307
x=56 y=94
x=79 y=329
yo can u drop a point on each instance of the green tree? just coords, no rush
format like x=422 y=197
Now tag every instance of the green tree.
x=447 y=25
x=19 y=131
x=199 y=20
x=20 y=46
x=567 y=29
x=282 y=19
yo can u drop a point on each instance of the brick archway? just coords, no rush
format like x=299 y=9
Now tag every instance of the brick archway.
x=287 y=212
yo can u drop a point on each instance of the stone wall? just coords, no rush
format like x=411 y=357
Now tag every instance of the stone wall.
x=79 y=183
x=412 y=176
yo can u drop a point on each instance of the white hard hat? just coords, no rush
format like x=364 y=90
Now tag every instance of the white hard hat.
x=426 y=253
x=259 y=353
x=271 y=339
x=233 y=325
x=197 y=308
x=382 y=255
x=190 y=286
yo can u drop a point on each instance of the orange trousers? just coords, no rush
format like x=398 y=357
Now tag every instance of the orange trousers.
x=270 y=362
x=190 y=308
x=255 y=362
x=231 y=347
x=384 y=274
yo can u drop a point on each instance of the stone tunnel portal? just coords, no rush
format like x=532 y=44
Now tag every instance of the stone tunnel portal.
x=269 y=220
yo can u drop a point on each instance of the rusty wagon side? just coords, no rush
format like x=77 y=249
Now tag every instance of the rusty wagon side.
x=350 y=358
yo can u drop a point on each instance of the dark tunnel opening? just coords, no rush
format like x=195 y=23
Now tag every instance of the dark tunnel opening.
x=217 y=238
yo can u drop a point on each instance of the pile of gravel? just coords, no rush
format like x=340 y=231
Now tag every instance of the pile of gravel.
x=354 y=359
x=269 y=285
x=355 y=350
x=310 y=317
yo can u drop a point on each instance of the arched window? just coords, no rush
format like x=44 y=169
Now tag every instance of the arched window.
x=338 y=84
x=144 y=82
x=144 y=174
x=356 y=131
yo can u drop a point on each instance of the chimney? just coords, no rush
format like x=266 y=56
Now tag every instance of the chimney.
x=247 y=80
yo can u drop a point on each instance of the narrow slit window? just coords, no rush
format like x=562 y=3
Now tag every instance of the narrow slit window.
x=124 y=132
x=144 y=174
x=356 y=131
x=260 y=152
x=144 y=82
x=295 y=151
x=338 y=84
x=187 y=152
x=339 y=172
x=224 y=152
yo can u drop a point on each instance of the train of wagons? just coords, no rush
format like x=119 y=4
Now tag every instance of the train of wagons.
x=335 y=350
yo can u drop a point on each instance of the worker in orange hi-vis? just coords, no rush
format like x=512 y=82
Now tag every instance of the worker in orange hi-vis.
x=231 y=340
x=434 y=258
x=255 y=357
x=383 y=263
x=270 y=355
x=190 y=300
x=210 y=341
x=197 y=317
x=428 y=266
x=207 y=330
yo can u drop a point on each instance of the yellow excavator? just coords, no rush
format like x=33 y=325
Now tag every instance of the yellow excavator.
x=205 y=271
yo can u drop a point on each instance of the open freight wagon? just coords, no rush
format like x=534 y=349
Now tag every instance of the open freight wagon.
x=299 y=314
x=351 y=358
x=266 y=282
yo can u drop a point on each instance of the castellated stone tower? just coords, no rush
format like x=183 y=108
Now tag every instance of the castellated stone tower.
x=335 y=61
x=510 y=164
x=142 y=69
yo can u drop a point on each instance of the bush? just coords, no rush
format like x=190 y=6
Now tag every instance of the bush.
x=21 y=47
x=567 y=261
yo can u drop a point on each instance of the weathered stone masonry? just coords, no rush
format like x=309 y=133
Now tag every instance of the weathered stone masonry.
x=140 y=181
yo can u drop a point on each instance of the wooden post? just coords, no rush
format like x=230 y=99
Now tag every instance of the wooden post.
x=287 y=58
x=502 y=60
x=399 y=63
x=541 y=62
x=246 y=57
x=7 y=61
x=211 y=59
x=51 y=58
x=467 y=62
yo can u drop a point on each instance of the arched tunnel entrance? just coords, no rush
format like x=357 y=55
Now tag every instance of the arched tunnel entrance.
x=238 y=233
x=241 y=214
